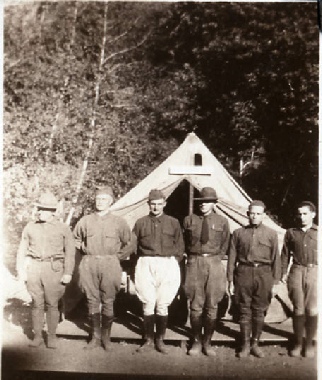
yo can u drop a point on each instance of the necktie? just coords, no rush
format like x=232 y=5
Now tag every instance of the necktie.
x=204 y=236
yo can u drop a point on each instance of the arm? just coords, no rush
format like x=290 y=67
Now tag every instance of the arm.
x=69 y=248
x=79 y=236
x=128 y=240
x=179 y=242
x=225 y=239
x=21 y=255
x=285 y=256
x=276 y=260
x=232 y=258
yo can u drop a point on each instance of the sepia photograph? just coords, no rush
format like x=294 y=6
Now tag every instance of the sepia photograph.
x=160 y=190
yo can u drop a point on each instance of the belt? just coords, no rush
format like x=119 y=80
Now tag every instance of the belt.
x=307 y=265
x=202 y=254
x=254 y=265
x=46 y=258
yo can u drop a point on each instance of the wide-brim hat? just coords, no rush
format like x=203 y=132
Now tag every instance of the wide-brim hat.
x=47 y=201
x=207 y=194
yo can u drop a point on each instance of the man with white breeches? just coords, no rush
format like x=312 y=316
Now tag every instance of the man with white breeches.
x=157 y=275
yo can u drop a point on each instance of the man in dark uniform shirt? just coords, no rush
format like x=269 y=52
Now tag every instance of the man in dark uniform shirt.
x=160 y=247
x=207 y=238
x=301 y=244
x=254 y=264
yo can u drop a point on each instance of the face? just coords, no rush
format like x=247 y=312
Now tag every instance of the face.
x=256 y=215
x=306 y=216
x=103 y=202
x=206 y=207
x=45 y=215
x=157 y=206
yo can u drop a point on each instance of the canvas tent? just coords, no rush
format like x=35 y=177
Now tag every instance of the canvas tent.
x=191 y=162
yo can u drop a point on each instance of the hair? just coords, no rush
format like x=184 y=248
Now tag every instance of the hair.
x=308 y=204
x=257 y=203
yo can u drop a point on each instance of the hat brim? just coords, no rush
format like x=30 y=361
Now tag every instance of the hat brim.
x=45 y=207
x=206 y=199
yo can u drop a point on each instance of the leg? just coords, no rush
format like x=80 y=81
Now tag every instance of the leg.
x=311 y=311
x=262 y=292
x=215 y=291
x=89 y=283
x=243 y=297
x=54 y=290
x=168 y=279
x=195 y=292
x=296 y=294
x=110 y=282
x=146 y=292
x=36 y=291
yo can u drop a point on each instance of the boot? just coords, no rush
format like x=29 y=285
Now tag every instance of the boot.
x=37 y=317
x=310 y=329
x=196 y=327
x=208 y=332
x=257 y=327
x=298 y=328
x=52 y=323
x=106 y=331
x=245 y=337
x=161 y=327
x=95 y=333
x=148 y=325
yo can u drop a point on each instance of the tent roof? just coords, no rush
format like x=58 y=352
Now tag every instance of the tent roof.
x=180 y=165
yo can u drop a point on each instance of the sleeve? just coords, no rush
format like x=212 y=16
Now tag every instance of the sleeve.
x=276 y=262
x=225 y=239
x=22 y=251
x=128 y=240
x=79 y=234
x=232 y=257
x=186 y=236
x=286 y=253
x=70 y=251
x=179 y=241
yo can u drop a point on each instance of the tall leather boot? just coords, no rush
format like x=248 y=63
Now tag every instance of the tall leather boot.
x=257 y=327
x=106 y=331
x=37 y=316
x=161 y=327
x=298 y=328
x=95 y=332
x=245 y=338
x=311 y=325
x=52 y=317
x=196 y=327
x=148 y=326
x=208 y=332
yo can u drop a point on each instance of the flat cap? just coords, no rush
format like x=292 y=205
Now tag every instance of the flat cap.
x=156 y=194
x=106 y=190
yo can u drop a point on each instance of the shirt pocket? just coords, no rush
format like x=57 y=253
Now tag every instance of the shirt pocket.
x=193 y=234
x=215 y=236
x=56 y=241
x=264 y=249
x=145 y=238
x=168 y=237
x=111 y=240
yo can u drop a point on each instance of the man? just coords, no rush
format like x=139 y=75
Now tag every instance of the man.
x=103 y=239
x=46 y=259
x=254 y=264
x=301 y=244
x=157 y=274
x=207 y=238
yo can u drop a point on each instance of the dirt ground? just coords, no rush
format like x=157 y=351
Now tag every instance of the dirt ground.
x=70 y=360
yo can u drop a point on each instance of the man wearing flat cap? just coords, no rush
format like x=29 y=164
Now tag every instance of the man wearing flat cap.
x=45 y=261
x=207 y=238
x=102 y=238
x=157 y=274
x=254 y=267
x=301 y=244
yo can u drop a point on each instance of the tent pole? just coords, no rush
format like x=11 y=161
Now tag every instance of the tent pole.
x=191 y=189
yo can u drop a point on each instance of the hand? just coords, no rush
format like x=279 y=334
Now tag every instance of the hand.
x=274 y=292
x=231 y=288
x=66 y=279
x=284 y=279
